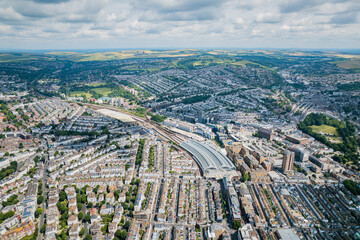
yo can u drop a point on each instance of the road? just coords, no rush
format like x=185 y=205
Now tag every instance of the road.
x=43 y=205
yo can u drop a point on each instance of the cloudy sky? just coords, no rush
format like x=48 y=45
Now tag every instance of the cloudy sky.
x=89 y=24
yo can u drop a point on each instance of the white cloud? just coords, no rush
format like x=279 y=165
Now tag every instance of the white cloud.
x=172 y=23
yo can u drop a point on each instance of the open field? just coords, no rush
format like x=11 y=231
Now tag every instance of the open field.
x=79 y=93
x=118 y=55
x=325 y=129
x=349 y=64
x=104 y=91
x=95 y=84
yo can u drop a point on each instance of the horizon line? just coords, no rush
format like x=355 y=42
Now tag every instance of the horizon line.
x=169 y=48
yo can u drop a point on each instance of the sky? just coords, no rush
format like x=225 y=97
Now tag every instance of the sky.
x=123 y=24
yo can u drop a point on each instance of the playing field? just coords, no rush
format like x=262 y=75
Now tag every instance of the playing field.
x=325 y=129
x=95 y=84
x=104 y=91
x=79 y=93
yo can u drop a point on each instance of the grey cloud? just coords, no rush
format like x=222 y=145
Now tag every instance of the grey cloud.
x=50 y=1
x=33 y=12
x=153 y=31
x=182 y=22
x=10 y=16
x=172 y=6
x=345 y=18
x=296 y=5
x=197 y=16
x=268 y=18
x=77 y=19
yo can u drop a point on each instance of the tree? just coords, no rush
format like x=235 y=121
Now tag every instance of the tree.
x=62 y=196
x=40 y=199
x=127 y=225
x=118 y=233
x=88 y=237
x=7 y=215
x=116 y=194
x=352 y=186
x=90 y=205
x=236 y=224
x=83 y=198
x=87 y=218
x=81 y=216
x=245 y=177
x=82 y=232
x=38 y=211
x=123 y=235
x=79 y=206
x=21 y=145
x=43 y=228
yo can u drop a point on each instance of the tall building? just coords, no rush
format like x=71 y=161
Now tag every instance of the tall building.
x=301 y=155
x=288 y=161
x=266 y=133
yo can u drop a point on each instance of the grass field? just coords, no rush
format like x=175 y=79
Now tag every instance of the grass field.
x=206 y=62
x=104 y=91
x=349 y=64
x=95 y=84
x=116 y=55
x=325 y=129
x=244 y=62
x=79 y=93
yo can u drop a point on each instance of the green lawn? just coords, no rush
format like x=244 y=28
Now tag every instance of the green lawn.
x=79 y=93
x=325 y=129
x=104 y=91
x=95 y=84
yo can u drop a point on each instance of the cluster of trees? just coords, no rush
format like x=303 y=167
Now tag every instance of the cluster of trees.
x=9 y=116
x=74 y=133
x=158 y=118
x=4 y=216
x=139 y=111
x=4 y=172
x=10 y=201
x=121 y=92
x=349 y=86
x=151 y=157
x=276 y=106
x=120 y=234
x=299 y=169
x=139 y=152
x=349 y=145
x=63 y=209
x=236 y=224
x=195 y=99
x=352 y=186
